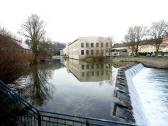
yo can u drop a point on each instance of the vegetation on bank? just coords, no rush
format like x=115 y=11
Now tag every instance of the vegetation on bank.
x=13 y=59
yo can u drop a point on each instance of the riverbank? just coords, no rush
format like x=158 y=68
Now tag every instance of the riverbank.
x=152 y=62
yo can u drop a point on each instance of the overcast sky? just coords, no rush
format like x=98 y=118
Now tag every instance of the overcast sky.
x=69 y=19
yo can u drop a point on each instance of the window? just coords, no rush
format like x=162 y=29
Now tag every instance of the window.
x=88 y=73
x=82 y=45
x=92 y=66
x=102 y=52
x=92 y=73
x=82 y=52
x=97 y=52
x=87 y=52
x=106 y=44
x=87 y=67
x=83 y=74
x=87 y=44
x=101 y=44
x=83 y=67
x=92 y=45
x=97 y=73
x=92 y=52
x=97 y=44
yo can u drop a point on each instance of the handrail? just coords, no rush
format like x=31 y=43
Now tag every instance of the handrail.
x=87 y=118
x=27 y=104
x=55 y=115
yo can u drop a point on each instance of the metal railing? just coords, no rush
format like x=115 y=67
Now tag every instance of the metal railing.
x=34 y=117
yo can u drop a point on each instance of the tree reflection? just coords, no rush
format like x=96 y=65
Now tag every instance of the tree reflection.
x=40 y=87
x=35 y=81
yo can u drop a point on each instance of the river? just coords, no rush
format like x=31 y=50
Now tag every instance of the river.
x=72 y=87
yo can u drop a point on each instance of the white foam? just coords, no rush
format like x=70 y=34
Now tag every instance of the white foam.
x=138 y=110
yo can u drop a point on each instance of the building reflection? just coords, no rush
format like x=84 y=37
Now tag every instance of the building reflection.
x=89 y=72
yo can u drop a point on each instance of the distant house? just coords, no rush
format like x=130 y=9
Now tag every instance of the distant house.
x=164 y=45
x=119 y=52
x=146 y=46
x=84 y=47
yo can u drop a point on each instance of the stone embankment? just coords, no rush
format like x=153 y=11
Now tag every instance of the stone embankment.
x=152 y=62
x=123 y=108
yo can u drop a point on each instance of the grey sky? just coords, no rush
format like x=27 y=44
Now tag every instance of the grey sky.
x=69 y=19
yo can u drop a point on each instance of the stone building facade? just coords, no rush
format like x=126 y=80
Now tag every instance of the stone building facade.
x=84 y=47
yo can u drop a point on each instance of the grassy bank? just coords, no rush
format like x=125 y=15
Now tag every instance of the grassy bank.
x=154 y=62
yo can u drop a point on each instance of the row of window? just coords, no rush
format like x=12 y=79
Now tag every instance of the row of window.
x=92 y=73
x=92 y=66
x=92 y=52
x=92 y=45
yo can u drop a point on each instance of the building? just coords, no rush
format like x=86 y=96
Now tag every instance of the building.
x=146 y=46
x=84 y=47
x=164 y=45
x=119 y=52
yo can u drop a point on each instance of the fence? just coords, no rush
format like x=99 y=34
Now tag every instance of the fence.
x=34 y=117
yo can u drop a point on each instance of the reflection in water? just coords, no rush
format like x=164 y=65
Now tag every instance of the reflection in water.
x=89 y=72
x=38 y=89
x=78 y=88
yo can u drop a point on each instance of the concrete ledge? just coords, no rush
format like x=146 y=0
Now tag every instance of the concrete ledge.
x=123 y=108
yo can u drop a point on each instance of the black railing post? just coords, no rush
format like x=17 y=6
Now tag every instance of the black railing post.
x=39 y=119
x=87 y=123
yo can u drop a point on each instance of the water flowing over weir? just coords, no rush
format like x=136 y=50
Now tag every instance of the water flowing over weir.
x=135 y=100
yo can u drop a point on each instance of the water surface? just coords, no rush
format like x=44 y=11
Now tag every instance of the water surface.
x=72 y=87
x=152 y=87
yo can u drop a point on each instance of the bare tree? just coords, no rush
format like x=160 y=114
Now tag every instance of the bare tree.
x=130 y=40
x=34 y=30
x=7 y=33
x=134 y=36
x=109 y=40
x=157 y=31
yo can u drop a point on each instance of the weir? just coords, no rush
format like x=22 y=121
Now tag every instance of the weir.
x=126 y=92
x=135 y=100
